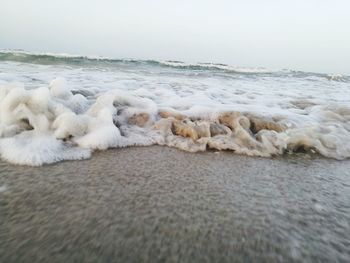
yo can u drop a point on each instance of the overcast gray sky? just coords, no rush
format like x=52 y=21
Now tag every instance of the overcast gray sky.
x=300 y=34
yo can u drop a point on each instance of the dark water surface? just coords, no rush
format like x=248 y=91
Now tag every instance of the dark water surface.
x=157 y=204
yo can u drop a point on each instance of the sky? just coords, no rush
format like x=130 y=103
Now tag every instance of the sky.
x=304 y=35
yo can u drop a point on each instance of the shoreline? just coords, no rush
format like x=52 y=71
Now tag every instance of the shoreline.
x=160 y=204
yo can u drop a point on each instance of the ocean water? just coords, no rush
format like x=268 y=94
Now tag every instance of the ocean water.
x=62 y=107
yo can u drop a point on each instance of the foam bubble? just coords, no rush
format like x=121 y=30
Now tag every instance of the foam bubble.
x=30 y=148
x=49 y=124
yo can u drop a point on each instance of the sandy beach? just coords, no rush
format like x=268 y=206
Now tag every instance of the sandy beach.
x=157 y=204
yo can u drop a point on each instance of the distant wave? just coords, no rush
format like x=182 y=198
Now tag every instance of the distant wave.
x=51 y=58
x=69 y=59
x=214 y=66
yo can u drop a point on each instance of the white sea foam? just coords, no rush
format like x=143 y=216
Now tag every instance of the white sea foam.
x=98 y=107
x=3 y=188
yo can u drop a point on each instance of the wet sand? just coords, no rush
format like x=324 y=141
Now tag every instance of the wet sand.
x=156 y=204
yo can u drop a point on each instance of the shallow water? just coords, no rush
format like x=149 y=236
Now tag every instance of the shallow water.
x=159 y=204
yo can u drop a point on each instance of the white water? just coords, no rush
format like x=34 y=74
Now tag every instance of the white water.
x=64 y=111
